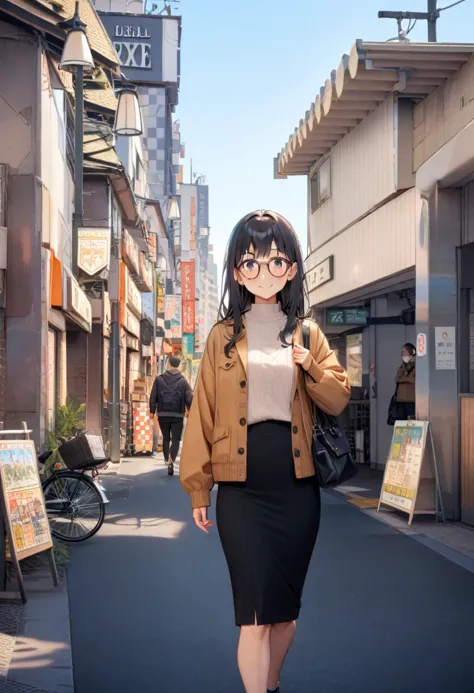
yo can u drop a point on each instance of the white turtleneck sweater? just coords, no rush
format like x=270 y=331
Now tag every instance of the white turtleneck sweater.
x=270 y=365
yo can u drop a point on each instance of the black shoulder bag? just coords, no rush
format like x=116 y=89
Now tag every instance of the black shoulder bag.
x=393 y=408
x=332 y=455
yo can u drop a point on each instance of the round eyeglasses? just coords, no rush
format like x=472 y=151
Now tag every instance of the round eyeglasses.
x=277 y=266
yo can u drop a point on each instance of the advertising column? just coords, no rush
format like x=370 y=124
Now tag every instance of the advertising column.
x=188 y=287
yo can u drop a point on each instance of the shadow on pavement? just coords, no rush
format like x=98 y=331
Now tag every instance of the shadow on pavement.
x=151 y=606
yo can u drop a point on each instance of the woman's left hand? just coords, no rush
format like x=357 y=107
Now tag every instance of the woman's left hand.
x=302 y=356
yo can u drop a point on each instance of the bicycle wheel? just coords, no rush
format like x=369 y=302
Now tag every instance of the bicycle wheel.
x=74 y=506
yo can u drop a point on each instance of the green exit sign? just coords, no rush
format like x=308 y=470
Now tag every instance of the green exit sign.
x=347 y=316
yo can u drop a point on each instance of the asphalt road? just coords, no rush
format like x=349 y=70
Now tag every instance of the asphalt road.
x=151 y=608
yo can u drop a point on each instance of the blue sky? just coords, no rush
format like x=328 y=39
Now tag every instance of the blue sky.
x=249 y=72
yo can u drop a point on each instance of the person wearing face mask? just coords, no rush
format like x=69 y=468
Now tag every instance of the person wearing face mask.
x=406 y=375
x=249 y=431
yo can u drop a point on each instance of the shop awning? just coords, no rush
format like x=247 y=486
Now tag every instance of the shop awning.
x=363 y=80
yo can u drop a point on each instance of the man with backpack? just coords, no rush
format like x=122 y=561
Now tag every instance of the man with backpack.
x=170 y=396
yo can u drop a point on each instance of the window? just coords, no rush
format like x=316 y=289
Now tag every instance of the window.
x=321 y=184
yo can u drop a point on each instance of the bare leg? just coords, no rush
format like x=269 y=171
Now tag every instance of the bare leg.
x=253 y=657
x=281 y=638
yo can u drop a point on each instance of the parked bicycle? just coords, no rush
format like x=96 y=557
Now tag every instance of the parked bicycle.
x=75 y=500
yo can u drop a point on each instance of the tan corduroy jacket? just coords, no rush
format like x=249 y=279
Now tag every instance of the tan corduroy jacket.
x=215 y=441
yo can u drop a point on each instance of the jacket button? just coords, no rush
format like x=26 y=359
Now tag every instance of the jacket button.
x=295 y=429
x=241 y=451
x=243 y=383
x=243 y=422
x=297 y=453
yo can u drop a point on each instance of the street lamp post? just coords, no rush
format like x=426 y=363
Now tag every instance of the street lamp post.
x=128 y=123
x=77 y=57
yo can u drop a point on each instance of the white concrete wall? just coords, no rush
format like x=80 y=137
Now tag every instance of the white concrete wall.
x=362 y=175
x=56 y=178
x=380 y=245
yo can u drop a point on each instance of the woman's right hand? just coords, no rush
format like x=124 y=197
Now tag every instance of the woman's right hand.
x=200 y=518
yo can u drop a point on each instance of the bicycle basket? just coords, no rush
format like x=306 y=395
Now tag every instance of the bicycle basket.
x=85 y=450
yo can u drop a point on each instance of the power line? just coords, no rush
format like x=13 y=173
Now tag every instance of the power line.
x=430 y=16
x=448 y=7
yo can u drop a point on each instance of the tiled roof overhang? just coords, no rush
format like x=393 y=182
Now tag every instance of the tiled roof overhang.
x=363 y=80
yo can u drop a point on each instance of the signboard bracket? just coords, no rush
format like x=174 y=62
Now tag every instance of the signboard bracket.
x=15 y=559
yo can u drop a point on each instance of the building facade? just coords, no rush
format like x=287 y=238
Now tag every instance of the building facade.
x=364 y=146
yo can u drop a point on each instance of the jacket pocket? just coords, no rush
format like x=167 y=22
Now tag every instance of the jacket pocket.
x=220 y=445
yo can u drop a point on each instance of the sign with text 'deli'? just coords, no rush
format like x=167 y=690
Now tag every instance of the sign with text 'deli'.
x=147 y=46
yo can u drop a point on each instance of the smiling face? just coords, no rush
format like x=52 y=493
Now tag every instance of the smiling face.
x=265 y=275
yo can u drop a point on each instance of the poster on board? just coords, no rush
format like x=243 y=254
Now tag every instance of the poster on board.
x=23 y=500
x=354 y=359
x=410 y=482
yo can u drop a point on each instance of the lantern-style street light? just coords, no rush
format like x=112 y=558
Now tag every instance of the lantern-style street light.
x=173 y=209
x=77 y=58
x=128 y=117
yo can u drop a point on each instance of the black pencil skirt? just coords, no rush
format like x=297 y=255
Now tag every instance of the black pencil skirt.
x=268 y=527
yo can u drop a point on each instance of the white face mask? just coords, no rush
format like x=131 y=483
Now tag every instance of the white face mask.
x=406 y=359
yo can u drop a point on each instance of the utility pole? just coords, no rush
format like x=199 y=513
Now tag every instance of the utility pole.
x=431 y=17
x=113 y=404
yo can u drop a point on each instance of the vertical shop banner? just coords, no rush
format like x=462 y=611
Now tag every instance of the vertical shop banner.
x=188 y=288
x=192 y=213
x=188 y=345
x=173 y=314
x=203 y=206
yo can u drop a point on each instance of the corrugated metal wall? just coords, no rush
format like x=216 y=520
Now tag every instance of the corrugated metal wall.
x=468 y=213
x=378 y=246
x=362 y=175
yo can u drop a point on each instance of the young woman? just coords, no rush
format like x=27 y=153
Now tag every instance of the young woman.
x=406 y=377
x=249 y=430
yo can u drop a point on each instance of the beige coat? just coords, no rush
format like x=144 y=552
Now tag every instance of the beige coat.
x=215 y=441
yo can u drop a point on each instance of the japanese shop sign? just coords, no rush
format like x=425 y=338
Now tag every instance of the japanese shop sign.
x=193 y=224
x=146 y=45
x=78 y=305
x=173 y=314
x=203 y=206
x=188 y=289
x=132 y=324
x=130 y=252
x=94 y=250
x=320 y=274
x=134 y=297
x=188 y=344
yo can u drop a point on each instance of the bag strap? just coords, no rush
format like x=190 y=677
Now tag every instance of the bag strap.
x=306 y=336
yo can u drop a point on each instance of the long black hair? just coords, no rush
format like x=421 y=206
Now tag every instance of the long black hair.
x=258 y=230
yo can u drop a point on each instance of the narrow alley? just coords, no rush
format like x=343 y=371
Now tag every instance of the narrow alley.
x=151 y=606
